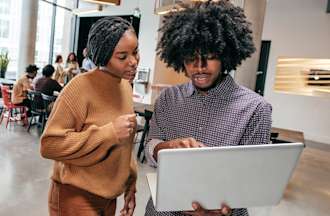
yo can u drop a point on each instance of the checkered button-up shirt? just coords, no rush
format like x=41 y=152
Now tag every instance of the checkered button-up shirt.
x=228 y=115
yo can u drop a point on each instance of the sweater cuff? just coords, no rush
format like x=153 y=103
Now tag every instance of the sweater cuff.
x=109 y=133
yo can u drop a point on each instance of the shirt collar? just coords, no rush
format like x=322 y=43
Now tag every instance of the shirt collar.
x=223 y=89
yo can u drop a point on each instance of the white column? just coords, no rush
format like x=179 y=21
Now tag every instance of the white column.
x=28 y=35
x=246 y=73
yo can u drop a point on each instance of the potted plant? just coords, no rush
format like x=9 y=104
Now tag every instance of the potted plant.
x=4 y=61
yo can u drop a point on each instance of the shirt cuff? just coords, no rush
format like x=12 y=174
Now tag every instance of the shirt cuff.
x=149 y=151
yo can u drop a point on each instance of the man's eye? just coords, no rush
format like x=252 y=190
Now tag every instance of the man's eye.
x=211 y=57
x=190 y=60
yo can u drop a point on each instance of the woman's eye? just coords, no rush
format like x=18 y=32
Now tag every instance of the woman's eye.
x=122 y=57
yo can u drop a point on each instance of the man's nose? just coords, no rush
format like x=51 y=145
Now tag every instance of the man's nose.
x=200 y=65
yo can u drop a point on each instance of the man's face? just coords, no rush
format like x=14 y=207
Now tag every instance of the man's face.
x=85 y=52
x=203 y=76
x=32 y=75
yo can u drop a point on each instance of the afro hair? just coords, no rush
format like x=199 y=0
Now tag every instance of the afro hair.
x=202 y=28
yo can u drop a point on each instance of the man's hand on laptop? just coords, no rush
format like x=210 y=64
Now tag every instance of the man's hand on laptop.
x=225 y=210
x=188 y=142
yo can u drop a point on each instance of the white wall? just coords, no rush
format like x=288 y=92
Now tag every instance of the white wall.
x=298 y=28
x=147 y=35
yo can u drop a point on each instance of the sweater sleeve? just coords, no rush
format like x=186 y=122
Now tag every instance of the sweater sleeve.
x=131 y=183
x=64 y=141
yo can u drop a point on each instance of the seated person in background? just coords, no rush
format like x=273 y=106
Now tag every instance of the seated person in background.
x=59 y=74
x=72 y=67
x=46 y=84
x=87 y=63
x=206 y=40
x=21 y=87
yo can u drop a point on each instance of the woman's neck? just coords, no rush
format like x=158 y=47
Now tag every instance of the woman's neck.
x=106 y=70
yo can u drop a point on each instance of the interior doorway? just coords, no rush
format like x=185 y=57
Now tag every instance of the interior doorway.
x=262 y=67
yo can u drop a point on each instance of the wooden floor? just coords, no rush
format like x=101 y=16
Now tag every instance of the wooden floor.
x=24 y=180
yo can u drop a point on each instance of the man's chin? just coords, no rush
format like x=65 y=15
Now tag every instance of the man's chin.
x=202 y=87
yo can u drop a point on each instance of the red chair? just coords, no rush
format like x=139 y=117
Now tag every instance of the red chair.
x=9 y=108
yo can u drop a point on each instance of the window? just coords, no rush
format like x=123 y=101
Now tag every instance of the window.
x=4 y=7
x=51 y=42
x=303 y=76
x=4 y=29
x=10 y=18
x=44 y=25
x=63 y=22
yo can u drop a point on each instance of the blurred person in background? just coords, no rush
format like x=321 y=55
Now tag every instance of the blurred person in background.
x=87 y=63
x=59 y=74
x=46 y=84
x=71 y=67
x=22 y=85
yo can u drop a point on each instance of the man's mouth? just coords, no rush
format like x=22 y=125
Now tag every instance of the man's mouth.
x=201 y=78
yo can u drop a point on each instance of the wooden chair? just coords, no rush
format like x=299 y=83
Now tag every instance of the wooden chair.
x=9 y=109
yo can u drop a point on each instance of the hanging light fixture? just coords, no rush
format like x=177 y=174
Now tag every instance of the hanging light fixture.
x=137 y=11
x=163 y=7
x=107 y=2
x=80 y=12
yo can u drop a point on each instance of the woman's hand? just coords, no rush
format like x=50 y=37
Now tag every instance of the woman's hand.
x=129 y=204
x=125 y=126
x=200 y=211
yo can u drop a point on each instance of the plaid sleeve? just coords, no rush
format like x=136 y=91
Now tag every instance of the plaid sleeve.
x=259 y=127
x=156 y=133
x=149 y=151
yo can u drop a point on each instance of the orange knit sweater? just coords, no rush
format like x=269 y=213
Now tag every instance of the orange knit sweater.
x=80 y=136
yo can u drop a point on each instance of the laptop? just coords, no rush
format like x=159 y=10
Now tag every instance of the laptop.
x=240 y=176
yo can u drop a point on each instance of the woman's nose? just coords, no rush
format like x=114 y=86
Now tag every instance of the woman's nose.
x=133 y=60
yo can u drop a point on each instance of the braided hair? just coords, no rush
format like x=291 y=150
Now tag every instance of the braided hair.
x=202 y=28
x=103 y=38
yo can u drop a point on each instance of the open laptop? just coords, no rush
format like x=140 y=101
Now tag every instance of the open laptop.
x=240 y=176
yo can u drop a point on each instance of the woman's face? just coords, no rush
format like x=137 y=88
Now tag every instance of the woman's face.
x=125 y=57
x=71 y=57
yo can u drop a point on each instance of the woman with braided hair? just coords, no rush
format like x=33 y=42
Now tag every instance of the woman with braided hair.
x=90 y=131
x=206 y=40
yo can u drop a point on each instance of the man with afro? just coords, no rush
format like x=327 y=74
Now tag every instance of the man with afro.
x=206 y=40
